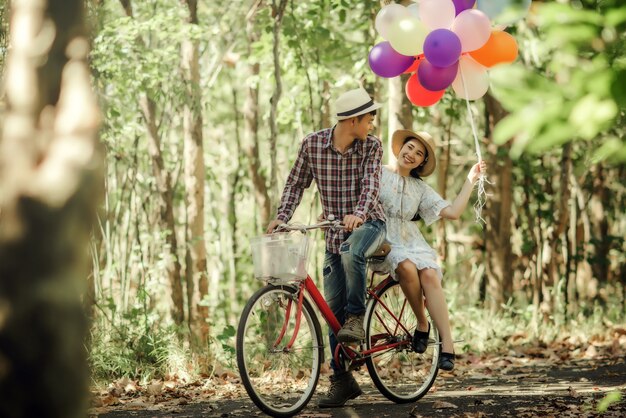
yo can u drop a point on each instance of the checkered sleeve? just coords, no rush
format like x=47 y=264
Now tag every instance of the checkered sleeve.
x=370 y=183
x=299 y=179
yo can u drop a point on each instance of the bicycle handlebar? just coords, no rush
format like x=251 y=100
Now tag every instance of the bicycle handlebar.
x=326 y=224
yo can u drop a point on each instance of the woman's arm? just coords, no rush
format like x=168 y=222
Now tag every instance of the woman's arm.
x=459 y=204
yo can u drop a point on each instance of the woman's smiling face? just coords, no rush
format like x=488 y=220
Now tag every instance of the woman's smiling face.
x=412 y=154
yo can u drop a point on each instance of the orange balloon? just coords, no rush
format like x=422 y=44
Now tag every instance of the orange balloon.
x=419 y=95
x=500 y=48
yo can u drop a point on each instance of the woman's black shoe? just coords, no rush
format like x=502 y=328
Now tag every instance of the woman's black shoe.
x=420 y=340
x=446 y=361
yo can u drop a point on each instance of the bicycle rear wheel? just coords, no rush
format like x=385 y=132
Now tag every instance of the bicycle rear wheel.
x=279 y=381
x=400 y=374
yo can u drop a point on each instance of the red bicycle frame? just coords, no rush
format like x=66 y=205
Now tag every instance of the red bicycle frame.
x=308 y=285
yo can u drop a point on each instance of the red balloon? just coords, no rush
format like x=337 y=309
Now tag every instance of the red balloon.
x=413 y=66
x=419 y=96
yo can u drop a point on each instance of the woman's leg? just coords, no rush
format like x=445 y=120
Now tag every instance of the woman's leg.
x=437 y=306
x=410 y=284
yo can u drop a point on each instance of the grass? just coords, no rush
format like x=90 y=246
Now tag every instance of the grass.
x=159 y=351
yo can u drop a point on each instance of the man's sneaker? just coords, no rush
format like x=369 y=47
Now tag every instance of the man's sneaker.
x=352 y=331
x=343 y=387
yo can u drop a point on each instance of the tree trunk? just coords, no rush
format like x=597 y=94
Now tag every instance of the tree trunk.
x=231 y=215
x=50 y=176
x=251 y=136
x=585 y=283
x=399 y=106
x=557 y=235
x=196 y=275
x=278 y=11
x=325 y=116
x=600 y=200
x=442 y=184
x=166 y=204
x=498 y=252
x=572 y=252
x=166 y=197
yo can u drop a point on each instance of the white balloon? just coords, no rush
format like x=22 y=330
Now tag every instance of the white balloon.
x=472 y=81
x=387 y=16
x=437 y=14
x=407 y=36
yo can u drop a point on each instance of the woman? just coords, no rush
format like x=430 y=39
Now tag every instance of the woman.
x=412 y=261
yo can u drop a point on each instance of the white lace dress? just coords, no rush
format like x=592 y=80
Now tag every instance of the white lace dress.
x=403 y=197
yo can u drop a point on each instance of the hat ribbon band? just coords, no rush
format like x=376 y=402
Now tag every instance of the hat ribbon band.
x=356 y=110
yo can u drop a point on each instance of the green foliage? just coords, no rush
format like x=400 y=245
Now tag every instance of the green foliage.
x=135 y=352
x=608 y=400
x=571 y=85
x=226 y=341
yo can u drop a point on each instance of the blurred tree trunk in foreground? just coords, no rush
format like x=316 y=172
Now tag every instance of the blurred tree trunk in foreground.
x=50 y=175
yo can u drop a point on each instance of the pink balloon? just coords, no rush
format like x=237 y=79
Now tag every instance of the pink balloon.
x=436 y=13
x=473 y=29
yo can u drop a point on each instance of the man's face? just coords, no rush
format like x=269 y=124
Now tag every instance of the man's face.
x=363 y=127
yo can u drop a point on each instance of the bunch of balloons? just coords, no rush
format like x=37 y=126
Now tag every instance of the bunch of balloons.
x=443 y=43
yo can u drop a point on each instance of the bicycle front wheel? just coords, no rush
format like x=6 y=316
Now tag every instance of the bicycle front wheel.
x=399 y=373
x=279 y=380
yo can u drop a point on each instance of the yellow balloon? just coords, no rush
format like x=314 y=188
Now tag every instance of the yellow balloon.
x=406 y=36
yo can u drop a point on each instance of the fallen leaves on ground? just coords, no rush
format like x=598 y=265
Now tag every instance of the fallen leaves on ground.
x=520 y=365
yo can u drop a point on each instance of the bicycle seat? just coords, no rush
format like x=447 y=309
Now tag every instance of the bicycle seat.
x=380 y=253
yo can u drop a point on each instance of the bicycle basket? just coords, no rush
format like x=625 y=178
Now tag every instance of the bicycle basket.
x=280 y=256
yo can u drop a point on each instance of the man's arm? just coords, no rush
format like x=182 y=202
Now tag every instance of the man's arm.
x=299 y=179
x=370 y=184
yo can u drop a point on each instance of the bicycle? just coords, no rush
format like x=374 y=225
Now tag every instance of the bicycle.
x=279 y=355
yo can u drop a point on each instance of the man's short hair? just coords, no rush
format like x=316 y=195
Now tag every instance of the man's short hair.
x=360 y=117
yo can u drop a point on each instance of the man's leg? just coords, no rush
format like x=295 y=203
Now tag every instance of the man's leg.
x=335 y=295
x=342 y=384
x=354 y=251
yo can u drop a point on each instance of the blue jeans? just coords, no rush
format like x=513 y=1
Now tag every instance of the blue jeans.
x=345 y=275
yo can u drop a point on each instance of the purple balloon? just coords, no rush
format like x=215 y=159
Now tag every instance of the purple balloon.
x=436 y=78
x=386 y=62
x=442 y=47
x=461 y=5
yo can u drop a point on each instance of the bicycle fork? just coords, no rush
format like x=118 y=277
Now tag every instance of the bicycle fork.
x=287 y=348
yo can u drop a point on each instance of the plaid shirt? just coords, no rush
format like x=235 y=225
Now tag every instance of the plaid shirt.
x=348 y=183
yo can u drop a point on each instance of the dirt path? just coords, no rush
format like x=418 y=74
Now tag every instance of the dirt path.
x=509 y=385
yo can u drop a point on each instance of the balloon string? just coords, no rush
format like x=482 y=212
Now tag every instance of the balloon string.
x=481 y=198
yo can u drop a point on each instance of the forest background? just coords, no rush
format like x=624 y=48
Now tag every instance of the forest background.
x=204 y=104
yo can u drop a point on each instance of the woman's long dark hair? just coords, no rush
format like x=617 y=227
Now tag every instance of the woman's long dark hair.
x=414 y=172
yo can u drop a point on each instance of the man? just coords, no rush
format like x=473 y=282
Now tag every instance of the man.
x=346 y=164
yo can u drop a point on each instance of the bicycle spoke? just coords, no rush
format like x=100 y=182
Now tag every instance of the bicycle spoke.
x=280 y=380
x=401 y=374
